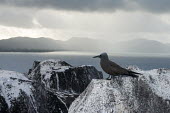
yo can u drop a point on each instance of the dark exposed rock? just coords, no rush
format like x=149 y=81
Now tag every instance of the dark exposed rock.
x=22 y=104
x=3 y=105
x=35 y=64
x=57 y=84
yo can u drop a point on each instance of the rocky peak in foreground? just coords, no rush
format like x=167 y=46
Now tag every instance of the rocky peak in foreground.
x=60 y=75
x=148 y=94
x=57 y=84
x=50 y=87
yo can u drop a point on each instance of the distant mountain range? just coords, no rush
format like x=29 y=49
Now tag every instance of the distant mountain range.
x=26 y=44
x=142 y=46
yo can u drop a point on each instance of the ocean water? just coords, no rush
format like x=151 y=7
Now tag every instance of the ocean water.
x=22 y=62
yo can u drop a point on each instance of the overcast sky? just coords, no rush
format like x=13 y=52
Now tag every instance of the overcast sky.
x=104 y=19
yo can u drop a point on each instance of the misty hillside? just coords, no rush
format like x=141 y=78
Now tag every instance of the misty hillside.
x=142 y=46
x=82 y=44
x=29 y=44
x=24 y=44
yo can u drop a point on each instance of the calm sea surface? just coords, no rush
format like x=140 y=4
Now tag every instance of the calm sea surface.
x=21 y=62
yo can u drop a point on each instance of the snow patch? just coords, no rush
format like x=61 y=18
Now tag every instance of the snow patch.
x=50 y=65
x=119 y=95
x=101 y=91
x=11 y=85
x=158 y=80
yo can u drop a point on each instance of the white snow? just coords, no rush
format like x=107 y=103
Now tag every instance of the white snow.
x=47 y=67
x=50 y=65
x=10 y=85
x=158 y=80
x=98 y=98
x=103 y=96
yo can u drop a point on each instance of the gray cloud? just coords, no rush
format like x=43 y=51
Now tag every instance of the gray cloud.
x=94 y=5
x=48 y=19
x=154 y=5
x=16 y=17
x=79 y=5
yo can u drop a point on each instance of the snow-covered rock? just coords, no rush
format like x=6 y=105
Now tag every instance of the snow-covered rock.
x=15 y=93
x=57 y=84
x=59 y=75
x=148 y=94
x=50 y=87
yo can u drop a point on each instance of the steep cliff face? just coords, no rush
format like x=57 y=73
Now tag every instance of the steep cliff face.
x=57 y=84
x=60 y=75
x=148 y=94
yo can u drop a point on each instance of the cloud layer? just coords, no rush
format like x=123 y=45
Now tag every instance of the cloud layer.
x=16 y=17
x=108 y=19
x=94 y=5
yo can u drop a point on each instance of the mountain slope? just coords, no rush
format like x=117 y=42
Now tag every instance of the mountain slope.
x=25 y=44
x=82 y=44
x=142 y=46
x=29 y=44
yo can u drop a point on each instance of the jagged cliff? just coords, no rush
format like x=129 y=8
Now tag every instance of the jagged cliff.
x=50 y=87
x=57 y=84
x=148 y=94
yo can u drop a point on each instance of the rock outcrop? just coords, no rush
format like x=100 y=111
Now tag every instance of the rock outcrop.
x=50 y=87
x=15 y=93
x=148 y=94
x=57 y=84
x=59 y=75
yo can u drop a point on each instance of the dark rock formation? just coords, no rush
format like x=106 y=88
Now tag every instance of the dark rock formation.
x=57 y=84
x=3 y=105
x=50 y=87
